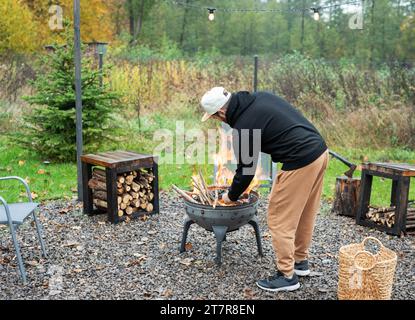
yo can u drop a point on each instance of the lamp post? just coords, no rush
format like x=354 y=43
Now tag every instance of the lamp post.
x=98 y=50
x=102 y=50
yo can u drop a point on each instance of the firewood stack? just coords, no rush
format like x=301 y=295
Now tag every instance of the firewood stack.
x=386 y=216
x=134 y=190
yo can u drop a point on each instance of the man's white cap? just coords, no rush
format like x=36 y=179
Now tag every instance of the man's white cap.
x=213 y=100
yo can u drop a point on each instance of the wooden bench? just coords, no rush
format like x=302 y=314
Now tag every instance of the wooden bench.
x=117 y=162
x=400 y=175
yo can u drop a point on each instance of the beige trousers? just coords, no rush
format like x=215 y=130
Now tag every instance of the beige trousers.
x=293 y=206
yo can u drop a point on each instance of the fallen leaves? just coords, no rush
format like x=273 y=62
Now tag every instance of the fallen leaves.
x=32 y=263
x=167 y=293
x=144 y=218
x=65 y=210
x=249 y=294
x=186 y=262
x=22 y=163
x=141 y=258
x=188 y=246
x=70 y=244
x=34 y=195
x=41 y=171
x=162 y=245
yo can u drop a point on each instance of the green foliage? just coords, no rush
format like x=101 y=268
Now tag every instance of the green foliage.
x=387 y=33
x=49 y=128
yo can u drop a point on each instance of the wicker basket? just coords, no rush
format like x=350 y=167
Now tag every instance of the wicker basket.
x=363 y=275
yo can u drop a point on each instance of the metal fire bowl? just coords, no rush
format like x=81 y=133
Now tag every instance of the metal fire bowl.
x=232 y=217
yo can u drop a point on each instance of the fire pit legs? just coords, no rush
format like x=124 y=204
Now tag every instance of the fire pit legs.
x=220 y=234
x=187 y=223
x=254 y=223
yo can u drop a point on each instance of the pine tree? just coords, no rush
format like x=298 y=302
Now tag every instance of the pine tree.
x=49 y=129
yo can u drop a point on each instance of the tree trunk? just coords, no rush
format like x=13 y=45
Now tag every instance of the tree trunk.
x=372 y=28
x=181 y=40
x=302 y=27
x=131 y=17
x=139 y=21
x=346 y=199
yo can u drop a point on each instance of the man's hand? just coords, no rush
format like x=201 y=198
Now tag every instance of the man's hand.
x=225 y=198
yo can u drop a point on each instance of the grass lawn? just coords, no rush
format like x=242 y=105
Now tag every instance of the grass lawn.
x=58 y=180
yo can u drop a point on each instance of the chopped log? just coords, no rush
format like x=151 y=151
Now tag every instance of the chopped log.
x=150 y=196
x=126 y=198
x=120 y=213
x=100 y=203
x=97 y=184
x=129 y=179
x=135 y=186
x=135 y=195
x=347 y=196
x=119 y=200
x=120 y=179
x=143 y=205
x=99 y=173
x=101 y=195
x=127 y=187
x=129 y=210
x=136 y=203
x=123 y=206
x=149 y=207
x=120 y=191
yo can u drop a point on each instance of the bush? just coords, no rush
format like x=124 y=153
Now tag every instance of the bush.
x=50 y=127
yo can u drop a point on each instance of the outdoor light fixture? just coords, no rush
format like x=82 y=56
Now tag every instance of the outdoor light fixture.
x=211 y=14
x=316 y=14
x=102 y=48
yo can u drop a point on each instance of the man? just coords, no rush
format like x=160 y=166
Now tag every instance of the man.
x=295 y=196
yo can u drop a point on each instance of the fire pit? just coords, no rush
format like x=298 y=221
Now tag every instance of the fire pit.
x=221 y=220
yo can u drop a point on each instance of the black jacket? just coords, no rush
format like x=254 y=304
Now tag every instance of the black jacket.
x=285 y=134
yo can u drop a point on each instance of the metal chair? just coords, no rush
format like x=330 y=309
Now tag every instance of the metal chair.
x=14 y=215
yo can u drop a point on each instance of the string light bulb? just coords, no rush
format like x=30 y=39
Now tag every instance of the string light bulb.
x=211 y=15
x=316 y=14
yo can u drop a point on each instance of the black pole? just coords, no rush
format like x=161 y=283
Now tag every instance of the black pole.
x=101 y=64
x=78 y=93
x=255 y=73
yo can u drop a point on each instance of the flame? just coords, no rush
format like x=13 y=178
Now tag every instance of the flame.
x=224 y=176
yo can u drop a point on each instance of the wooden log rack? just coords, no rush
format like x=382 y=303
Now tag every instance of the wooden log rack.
x=400 y=174
x=117 y=166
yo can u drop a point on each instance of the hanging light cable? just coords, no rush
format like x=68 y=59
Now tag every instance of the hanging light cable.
x=211 y=15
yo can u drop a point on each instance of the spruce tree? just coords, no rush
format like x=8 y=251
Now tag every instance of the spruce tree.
x=49 y=128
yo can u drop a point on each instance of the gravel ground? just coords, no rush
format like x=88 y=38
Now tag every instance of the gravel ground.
x=92 y=259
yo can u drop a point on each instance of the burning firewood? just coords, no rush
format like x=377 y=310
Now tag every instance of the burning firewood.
x=209 y=195
x=134 y=189
x=183 y=194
